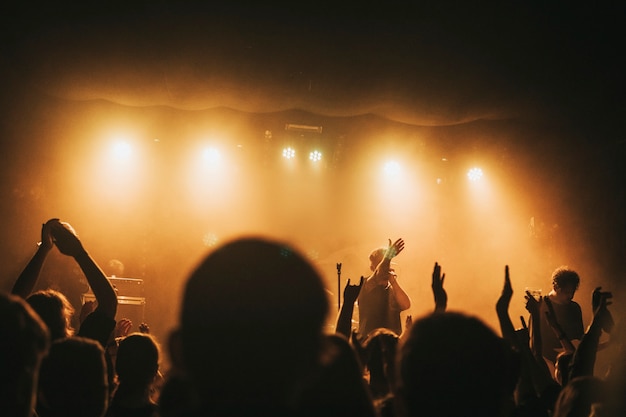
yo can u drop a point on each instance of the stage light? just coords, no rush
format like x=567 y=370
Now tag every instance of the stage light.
x=211 y=156
x=121 y=151
x=315 y=156
x=392 y=168
x=475 y=174
x=289 y=153
x=210 y=239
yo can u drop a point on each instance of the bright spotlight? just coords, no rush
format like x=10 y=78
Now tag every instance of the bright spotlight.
x=475 y=174
x=315 y=156
x=210 y=239
x=121 y=150
x=211 y=156
x=289 y=153
x=392 y=168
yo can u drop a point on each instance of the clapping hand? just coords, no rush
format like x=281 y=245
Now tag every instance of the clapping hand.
x=66 y=239
x=47 y=242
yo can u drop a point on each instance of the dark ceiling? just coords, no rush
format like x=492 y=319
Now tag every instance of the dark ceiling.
x=422 y=63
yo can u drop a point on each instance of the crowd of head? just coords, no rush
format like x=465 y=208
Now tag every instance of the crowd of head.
x=251 y=340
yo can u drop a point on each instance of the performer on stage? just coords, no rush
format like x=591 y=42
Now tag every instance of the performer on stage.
x=382 y=298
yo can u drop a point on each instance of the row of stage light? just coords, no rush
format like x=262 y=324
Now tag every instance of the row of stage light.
x=212 y=156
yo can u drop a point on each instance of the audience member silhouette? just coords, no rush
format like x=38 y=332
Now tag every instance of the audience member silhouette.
x=451 y=364
x=337 y=388
x=584 y=357
x=250 y=342
x=380 y=348
x=137 y=368
x=24 y=340
x=615 y=387
x=52 y=306
x=177 y=397
x=73 y=379
x=535 y=391
x=382 y=299
x=578 y=396
x=251 y=328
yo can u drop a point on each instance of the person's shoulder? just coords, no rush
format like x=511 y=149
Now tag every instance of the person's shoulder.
x=575 y=305
x=368 y=281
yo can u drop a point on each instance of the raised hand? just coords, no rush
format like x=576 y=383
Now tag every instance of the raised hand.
x=26 y=281
x=394 y=249
x=144 y=328
x=439 y=293
x=504 y=301
x=351 y=292
x=47 y=241
x=599 y=296
x=600 y=302
x=344 y=320
x=532 y=304
x=122 y=327
x=66 y=239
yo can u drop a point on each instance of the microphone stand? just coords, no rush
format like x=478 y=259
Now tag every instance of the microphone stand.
x=338 y=286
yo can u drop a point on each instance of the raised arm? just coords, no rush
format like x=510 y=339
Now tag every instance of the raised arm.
x=384 y=272
x=583 y=361
x=541 y=369
x=381 y=273
x=439 y=293
x=402 y=299
x=344 y=320
x=68 y=243
x=27 y=279
x=502 y=309
x=535 y=379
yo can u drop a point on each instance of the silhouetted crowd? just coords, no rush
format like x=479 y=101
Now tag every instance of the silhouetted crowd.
x=251 y=340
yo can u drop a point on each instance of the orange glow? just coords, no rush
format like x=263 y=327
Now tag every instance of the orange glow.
x=160 y=205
